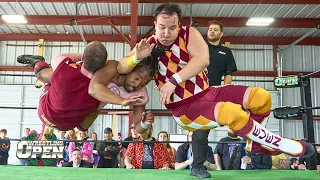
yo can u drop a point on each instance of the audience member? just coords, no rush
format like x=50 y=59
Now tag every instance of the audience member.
x=184 y=156
x=71 y=134
x=26 y=133
x=147 y=155
x=318 y=157
x=95 y=147
x=85 y=147
x=108 y=151
x=164 y=136
x=23 y=162
x=134 y=136
x=256 y=161
x=4 y=147
x=295 y=164
x=35 y=133
x=61 y=136
x=280 y=162
x=77 y=161
x=228 y=156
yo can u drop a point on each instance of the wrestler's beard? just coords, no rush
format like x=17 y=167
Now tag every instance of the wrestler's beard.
x=128 y=88
x=232 y=135
x=214 y=39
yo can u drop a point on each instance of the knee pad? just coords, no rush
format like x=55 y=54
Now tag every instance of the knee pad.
x=39 y=66
x=232 y=115
x=259 y=101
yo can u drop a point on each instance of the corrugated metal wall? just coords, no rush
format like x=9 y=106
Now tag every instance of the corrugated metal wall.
x=302 y=58
x=16 y=120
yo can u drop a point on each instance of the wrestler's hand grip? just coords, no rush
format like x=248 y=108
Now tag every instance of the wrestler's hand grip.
x=144 y=118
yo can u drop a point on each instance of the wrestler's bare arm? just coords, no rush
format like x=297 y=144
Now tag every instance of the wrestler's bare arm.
x=123 y=66
x=137 y=117
x=99 y=81
x=127 y=63
x=199 y=52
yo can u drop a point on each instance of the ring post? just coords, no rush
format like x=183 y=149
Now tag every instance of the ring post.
x=307 y=119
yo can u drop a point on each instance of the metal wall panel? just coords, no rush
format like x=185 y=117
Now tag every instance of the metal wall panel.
x=301 y=58
x=253 y=57
x=294 y=129
x=15 y=120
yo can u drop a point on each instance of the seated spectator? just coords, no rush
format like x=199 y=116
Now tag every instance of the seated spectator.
x=295 y=164
x=256 y=161
x=95 y=146
x=86 y=136
x=61 y=136
x=134 y=136
x=108 y=151
x=280 y=162
x=164 y=136
x=184 y=156
x=85 y=147
x=228 y=156
x=26 y=133
x=35 y=133
x=147 y=155
x=4 y=147
x=23 y=162
x=318 y=157
x=71 y=134
x=77 y=160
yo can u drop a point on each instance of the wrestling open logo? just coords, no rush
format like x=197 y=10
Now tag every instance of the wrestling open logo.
x=40 y=153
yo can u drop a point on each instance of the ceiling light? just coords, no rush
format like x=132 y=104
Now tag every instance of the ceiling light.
x=14 y=18
x=259 y=21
